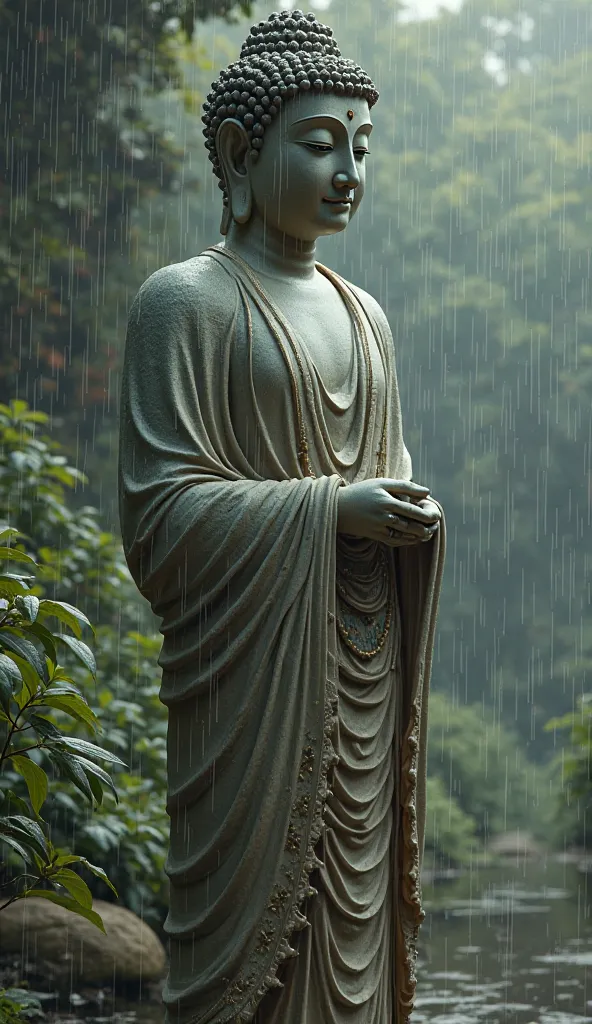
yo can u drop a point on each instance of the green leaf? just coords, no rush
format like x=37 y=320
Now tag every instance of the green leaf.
x=24 y=576
x=11 y=641
x=559 y=723
x=19 y=803
x=46 y=729
x=12 y=555
x=75 y=885
x=82 y=652
x=25 y=831
x=99 y=873
x=96 y=788
x=92 y=770
x=84 y=747
x=31 y=416
x=66 y=858
x=10 y=681
x=66 y=613
x=18 y=407
x=66 y=475
x=6 y=532
x=72 y=705
x=46 y=638
x=24 y=853
x=34 y=776
x=71 y=769
x=30 y=679
x=29 y=607
x=10 y=669
x=64 y=689
x=12 y=586
x=60 y=675
x=68 y=903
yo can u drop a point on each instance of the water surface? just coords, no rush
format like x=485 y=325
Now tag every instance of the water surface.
x=507 y=944
x=500 y=945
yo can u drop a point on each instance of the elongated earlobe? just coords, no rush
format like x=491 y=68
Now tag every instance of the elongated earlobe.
x=232 y=147
x=240 y=201
x=226 y=219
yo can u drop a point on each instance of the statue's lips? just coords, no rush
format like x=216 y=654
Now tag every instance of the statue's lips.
x=338 y=202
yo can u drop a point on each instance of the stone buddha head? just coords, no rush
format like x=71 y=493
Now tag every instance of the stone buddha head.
x=287 y=129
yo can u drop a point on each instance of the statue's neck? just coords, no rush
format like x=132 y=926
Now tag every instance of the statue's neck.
x=271 y=253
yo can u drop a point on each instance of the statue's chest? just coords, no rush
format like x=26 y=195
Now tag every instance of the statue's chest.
x=263 y=372
x=261 y=384
x=322 y=330
x=327 y=338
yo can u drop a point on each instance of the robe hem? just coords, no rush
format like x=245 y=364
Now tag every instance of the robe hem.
x=241 y=999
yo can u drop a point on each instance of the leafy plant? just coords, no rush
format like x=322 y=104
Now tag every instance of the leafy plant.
x=481 y=767
x=130 y=841
x=18 y=1005
x=32 y=683
x=451 y=833
x=113 y=59
x=77 y=558
x=82 y=562
x=573 y=765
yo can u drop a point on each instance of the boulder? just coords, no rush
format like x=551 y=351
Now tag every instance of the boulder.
x=515 y=844
x=76 y=951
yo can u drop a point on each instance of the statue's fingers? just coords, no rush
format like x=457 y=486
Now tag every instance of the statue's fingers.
x=400 y=537
x=409 y=528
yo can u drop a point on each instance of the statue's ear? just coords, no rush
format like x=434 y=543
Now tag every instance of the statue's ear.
x=232 y=147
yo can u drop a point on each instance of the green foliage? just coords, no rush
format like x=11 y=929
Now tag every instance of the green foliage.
x=574 y=766
x=125 y=848
x=17 y=1005
x=450 y=834
x=77 y=558
x=32 y=684
x=68 y=205
x=80 y=560
x=482 y=771
x=131 y=841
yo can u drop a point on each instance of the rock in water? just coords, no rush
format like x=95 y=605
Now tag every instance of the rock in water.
x=78 y=952
x=516 y=844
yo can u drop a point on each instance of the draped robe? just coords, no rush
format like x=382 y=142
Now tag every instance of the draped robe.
x=296 y=770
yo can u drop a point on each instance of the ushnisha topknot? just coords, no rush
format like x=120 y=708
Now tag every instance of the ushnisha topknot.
x=289 y=53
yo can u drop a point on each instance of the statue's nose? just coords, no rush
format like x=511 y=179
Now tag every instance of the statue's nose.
x=347 y=179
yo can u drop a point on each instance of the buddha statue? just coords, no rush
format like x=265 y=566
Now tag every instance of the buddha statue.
x=270 y=518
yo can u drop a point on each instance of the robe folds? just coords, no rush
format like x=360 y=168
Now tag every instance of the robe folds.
x=237 y=552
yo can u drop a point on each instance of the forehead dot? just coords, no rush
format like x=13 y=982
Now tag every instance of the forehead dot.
x=350 y=115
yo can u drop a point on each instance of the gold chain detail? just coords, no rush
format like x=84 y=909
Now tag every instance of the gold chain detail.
x=343 y=630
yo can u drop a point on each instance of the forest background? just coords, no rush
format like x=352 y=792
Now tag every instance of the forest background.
x=474 y=236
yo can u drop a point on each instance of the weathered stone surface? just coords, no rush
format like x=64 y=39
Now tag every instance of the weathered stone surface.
x=78 y=952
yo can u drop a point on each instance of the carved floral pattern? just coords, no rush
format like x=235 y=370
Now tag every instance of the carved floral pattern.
x=410 y=909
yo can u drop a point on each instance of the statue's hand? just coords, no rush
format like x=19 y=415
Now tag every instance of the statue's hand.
x=378 y=509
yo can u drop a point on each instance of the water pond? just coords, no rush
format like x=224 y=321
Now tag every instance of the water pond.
x=508 y=944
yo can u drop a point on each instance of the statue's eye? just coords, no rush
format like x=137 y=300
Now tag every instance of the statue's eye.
x=362 y=152
x=320 y=147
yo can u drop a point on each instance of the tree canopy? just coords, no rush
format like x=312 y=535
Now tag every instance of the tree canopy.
x=80 y=158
